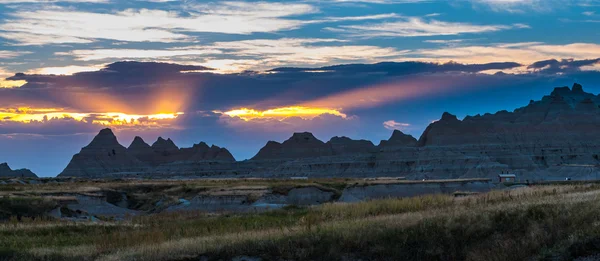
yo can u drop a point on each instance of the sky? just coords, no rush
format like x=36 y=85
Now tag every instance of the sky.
x=240 y=73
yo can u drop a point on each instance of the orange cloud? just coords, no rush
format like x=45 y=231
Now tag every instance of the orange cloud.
x=303 y=112
x=11 y=84
x=28 y=115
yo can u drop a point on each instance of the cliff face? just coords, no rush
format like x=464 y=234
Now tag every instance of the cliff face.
x=7 y=172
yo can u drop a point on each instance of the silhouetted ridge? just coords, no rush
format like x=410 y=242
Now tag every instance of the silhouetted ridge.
x=7 y=172
x=551 y=138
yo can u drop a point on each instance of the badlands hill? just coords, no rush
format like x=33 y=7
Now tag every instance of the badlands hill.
x=7 y=172
x=553 y=138
x=104 y=156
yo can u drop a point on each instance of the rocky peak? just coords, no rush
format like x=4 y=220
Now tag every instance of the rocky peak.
x=6 y=171
x=300 y=145
x=139 y=144
x=577 y=88
x=561 y=91
x=571 y=96
x=303 y=138
x=201 y=146
x=105 y=139
x=398 y=138
x=448 y=117
x=340 y=140
x=4 y=167
x=272 y=144
x=345 y=145
x=164 y=145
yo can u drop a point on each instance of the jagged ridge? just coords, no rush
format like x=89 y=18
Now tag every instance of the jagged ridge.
x=551 y=138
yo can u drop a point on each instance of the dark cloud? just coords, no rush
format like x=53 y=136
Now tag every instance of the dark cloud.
x=554 y=66
x=402 y=68
x=198 y=94
x=139 y=84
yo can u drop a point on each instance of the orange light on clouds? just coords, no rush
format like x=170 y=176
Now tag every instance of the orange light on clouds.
x=29 y=115
x=386 y=93
x=66 y=70
x=247 y=114
x=12 y=84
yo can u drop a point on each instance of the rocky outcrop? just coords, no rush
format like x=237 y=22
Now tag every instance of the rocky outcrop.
x=142 y=151
x=165 y=147
x=166 y=152
x=553 y=138
x=7 y=172
x=398 y=139
x=300 y=145
x=103 y=155
x=346 y=146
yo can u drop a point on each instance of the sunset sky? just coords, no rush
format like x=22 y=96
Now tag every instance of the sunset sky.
x=239 y=73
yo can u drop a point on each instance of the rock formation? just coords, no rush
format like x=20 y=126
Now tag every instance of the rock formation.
x=7 y=172
x=553 y=138
x=398 y=139
x=105 y=156
x=346 y=146
x=300 y=145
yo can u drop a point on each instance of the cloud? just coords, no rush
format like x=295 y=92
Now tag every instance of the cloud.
x=60 y=25
x=289 y=51
x=515 y=6
x=65 y=70
x=359 y=18
x=290 y=124
x=64 y=121
x=5 y=84
x=258 y=54
x=416 y=27
x=103 y=54
x=402 y=68
x=562 y=66
x=254 y=9
x=282 y=113
x=524 y=53
x=51 y=1
x=522 y=6
x=11 y=54
x=381 y=1
x=394 y=125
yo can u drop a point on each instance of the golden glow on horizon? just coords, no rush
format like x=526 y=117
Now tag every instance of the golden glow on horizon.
x=247 y=114
x=29 y=115
x=12 y=84
x=66 y=70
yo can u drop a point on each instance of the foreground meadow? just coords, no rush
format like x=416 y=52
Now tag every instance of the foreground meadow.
x=550 y=222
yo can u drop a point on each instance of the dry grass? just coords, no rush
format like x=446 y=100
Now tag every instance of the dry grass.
x=534 y=222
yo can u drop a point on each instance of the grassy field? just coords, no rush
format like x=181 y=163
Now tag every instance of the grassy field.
x=551 y=222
